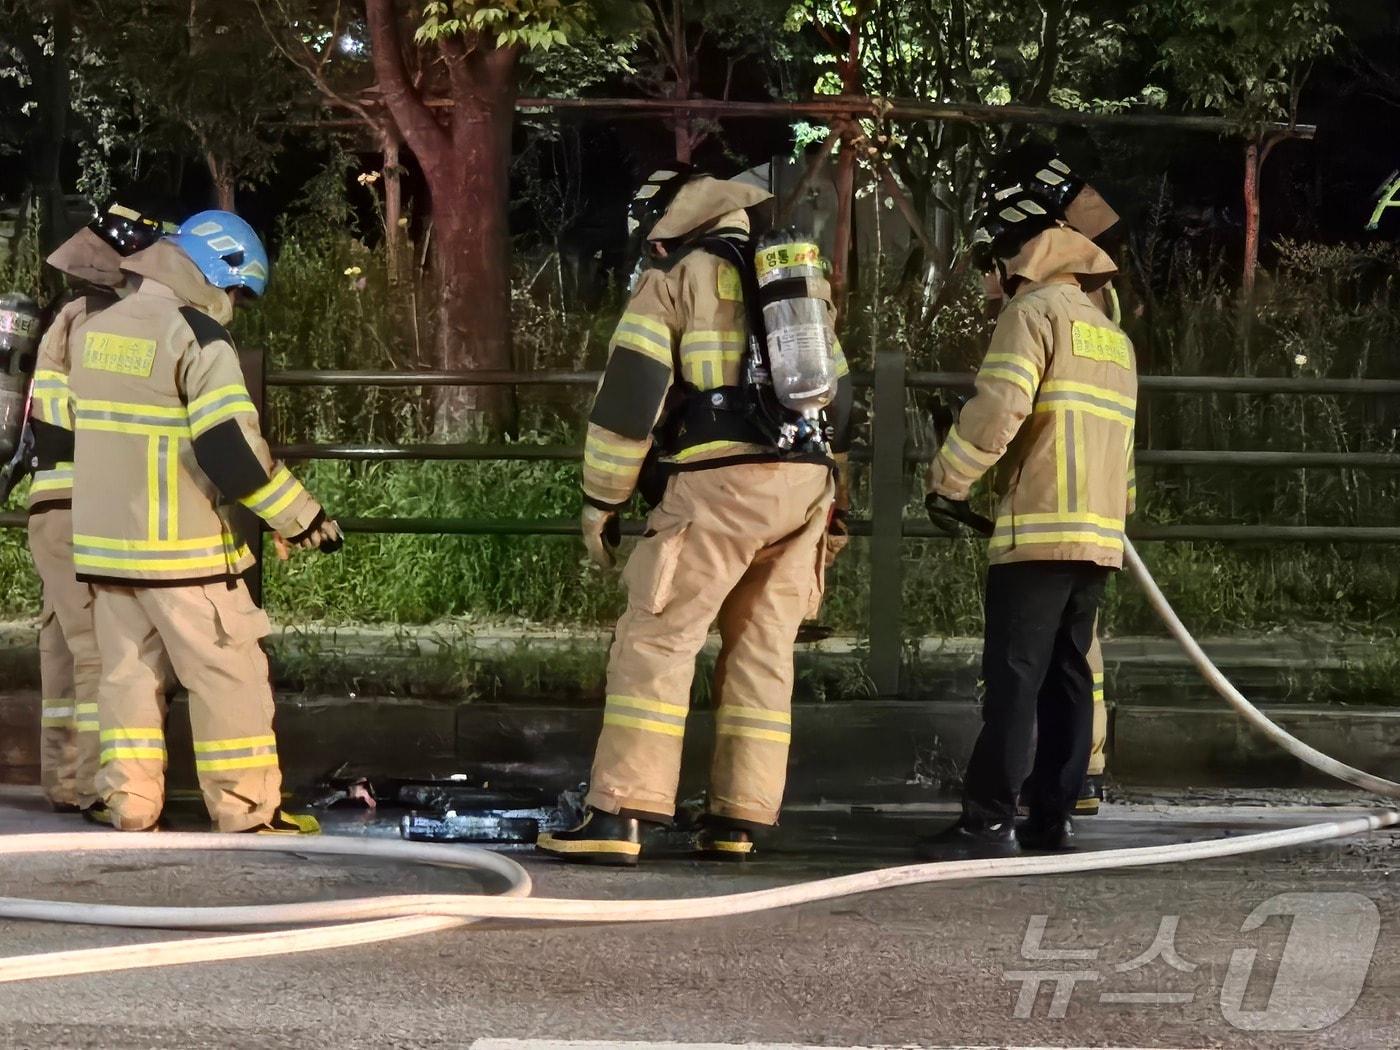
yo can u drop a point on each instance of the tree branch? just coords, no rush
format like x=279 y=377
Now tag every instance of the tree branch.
x=414 y=120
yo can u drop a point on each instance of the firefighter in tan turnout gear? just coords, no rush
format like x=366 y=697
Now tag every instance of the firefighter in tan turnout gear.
x=166 y=433
x=739 y=536
x=1054 y=409
x=1037 y=164
x=69 y=664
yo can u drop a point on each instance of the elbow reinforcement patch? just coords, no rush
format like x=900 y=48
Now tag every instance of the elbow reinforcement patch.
x=634 y=387
x=226 y=459
x=51 y=444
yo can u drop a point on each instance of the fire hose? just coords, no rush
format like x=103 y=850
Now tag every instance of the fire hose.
x=376 y=919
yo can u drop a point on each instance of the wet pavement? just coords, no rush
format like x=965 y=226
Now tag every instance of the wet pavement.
x=1291 y=948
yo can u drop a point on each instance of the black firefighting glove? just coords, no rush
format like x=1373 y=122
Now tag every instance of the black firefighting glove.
x=951 y=516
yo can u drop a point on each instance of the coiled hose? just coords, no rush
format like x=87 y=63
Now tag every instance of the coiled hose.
x=370 y=920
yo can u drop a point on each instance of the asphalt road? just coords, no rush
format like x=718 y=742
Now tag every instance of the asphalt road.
x=932 y=966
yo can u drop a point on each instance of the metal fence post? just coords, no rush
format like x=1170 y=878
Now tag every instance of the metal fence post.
x=887 y=523
x=247 y=526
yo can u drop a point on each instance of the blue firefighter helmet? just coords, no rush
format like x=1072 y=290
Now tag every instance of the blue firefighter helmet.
x=225 y=249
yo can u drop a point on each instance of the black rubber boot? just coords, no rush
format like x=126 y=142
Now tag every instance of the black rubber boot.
x=602 y=838
x=1046 y=835
x=967 y=840
x=1090 y=796
x=724 y=843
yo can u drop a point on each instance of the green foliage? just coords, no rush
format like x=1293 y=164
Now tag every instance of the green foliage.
x=532 y=25
x=1246 y=59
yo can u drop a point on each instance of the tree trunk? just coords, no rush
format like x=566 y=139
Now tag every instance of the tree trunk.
x=393 y=205
x=225 y=182
x=470 y=190
x=1251 y=219
x=51 y=85
x=845 y=214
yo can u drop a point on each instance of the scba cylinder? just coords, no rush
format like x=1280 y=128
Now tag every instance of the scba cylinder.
x=19 y=339
x=792 y=290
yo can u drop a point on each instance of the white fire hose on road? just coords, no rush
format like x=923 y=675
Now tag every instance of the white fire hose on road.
x=370 y=920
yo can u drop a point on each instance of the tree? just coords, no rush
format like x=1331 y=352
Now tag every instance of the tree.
x=201 y=84
x=1248 y=60
x=674 y=41
x=326 y=41
x=457 y=119
x=37 y=41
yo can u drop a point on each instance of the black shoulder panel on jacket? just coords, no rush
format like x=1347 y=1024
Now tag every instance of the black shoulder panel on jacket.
x=206 y=330
x=96 y=301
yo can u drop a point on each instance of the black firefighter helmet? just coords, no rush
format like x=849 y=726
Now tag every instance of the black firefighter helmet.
x=128 y=225
x=1012 y=217
x=651 y=200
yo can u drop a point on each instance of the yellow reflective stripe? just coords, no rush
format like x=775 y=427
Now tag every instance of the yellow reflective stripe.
x=202 y=747
x=112 y=544
x=214 y=765
x=153 y=490
x=610 y=448
x=645 y=724
x=707 y=447
x=56 y=713
x=87 y=718
x=133 y=734
x=1111 y=414
x=646 y=336
x=843 y=367
x=1061 y=464
x=280 y=492
x=47 y=377
x=773 y=736
x=1069 y=386
x=558 y=845
x=1052 y=518
x=723 y=338
x=656 y=707
x=212 y=561
x=208 y=410
x=1017 y=380
x=959 y=447
x=758 y=714
x=171 y=412
x=1091 y=539
x=621 y=469
x=110 y=754
x=52 y=480
x=1080 y=481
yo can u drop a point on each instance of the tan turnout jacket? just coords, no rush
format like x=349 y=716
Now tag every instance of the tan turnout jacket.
x=86 y=259
x=166 y=432
x=1054 y=411
x=683 y=326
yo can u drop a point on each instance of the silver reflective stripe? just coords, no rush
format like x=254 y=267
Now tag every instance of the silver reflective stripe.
x=147 y=554
x=1071 y=467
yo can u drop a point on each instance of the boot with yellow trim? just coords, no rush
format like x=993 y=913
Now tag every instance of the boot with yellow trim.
x=600 y=838
x=284 y=823
x=98 y=813
x=1090 y=797
x=723 y=838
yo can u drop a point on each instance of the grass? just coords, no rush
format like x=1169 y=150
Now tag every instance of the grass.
x=1326 y=311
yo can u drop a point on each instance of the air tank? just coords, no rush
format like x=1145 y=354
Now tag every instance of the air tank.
x=19 y=339
x=792 y=291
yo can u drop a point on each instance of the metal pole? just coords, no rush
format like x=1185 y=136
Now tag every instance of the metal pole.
x=887 y=522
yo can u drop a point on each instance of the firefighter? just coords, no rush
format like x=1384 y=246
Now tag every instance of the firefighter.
x=165 y=434
x=1054 y=407
x=1038 y=165
x=69 y=665
x=739 y=536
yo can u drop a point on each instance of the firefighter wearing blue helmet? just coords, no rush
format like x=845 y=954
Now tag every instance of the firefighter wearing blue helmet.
x=166 y=438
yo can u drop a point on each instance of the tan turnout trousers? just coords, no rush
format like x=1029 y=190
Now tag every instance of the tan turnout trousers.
x=1098 y=756
x=744 y=545
x=210 y=633
x=69 y=664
